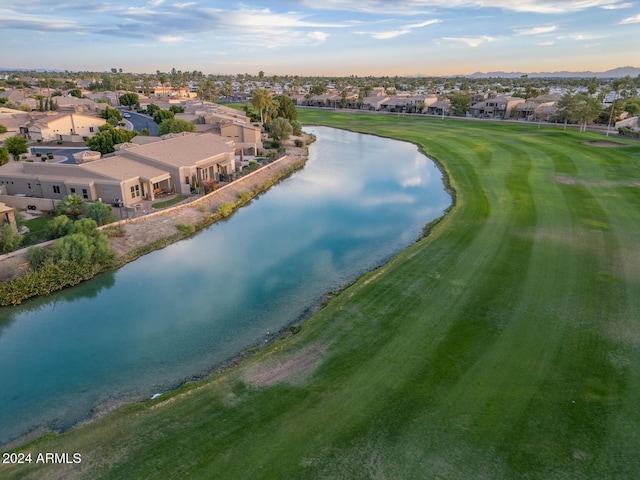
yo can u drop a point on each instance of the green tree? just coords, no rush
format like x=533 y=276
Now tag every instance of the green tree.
x=112 y=115
x=59 y=226
x=101 y=213
x=296 y=127
x=3 y=129
x=74 y=247
x=460 y=102
x=261 y=99
x=84 y=244
x=16 y=146
x=105 y=140
x=175 y=125
x=10 y=239
x=318 y=89
x=176 y=109
x=567 y=107
x=75 y=92
x=587 y=110
x=129 y=99
x=72 y=206
x=152 y=108
x=281 y=129
x=632 y=107
x=162 y=115
x=4 y=155
x=286 y=108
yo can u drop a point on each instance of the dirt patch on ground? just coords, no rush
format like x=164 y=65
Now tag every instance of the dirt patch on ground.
x=605 y=144
x=565 y=180
x=291 y=368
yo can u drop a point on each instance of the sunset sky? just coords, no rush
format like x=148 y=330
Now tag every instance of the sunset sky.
x=321 y=37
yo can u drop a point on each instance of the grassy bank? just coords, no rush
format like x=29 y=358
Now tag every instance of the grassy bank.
x=503 y=345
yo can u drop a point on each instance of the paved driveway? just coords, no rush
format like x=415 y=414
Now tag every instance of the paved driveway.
x=61 y=151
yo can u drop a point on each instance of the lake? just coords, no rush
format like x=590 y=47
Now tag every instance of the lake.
x=177 y=313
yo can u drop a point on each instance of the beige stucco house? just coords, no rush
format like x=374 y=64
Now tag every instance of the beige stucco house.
x=63 y=126
x=498 y=107
x=244 y=135
x=133 y=173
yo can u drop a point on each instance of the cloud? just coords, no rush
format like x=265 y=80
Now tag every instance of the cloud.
x=403 y=30
x=628 y=20
x=170 y=38
x=319 y=36
x=545 y=44
x=582 y=36
x=22 y=21
x=536 y=30
x=420 y=7
x=617 y=6
x=472 y=41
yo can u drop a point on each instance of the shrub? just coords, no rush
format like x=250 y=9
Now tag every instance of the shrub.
x=38 y=154
x=244 y=197
x=10 y=239
x=202 y=207
x=59 y=226
x=37 y=256
x=48 y=278
x=116 y=231
x=225 y=209
x=298 y=142
x=101 y=213
x=186 y=229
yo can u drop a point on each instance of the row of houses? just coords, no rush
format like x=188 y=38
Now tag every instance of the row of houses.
x=140 y=170
x=483 y=106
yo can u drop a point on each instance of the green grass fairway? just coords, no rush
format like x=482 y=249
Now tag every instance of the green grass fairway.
x=504 y=345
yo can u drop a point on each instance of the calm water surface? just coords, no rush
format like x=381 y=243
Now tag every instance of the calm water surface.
x=175 y=314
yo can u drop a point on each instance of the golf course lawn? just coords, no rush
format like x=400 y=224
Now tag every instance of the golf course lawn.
x=506 y=344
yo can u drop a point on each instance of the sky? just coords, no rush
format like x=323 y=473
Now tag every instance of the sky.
x=321 y=37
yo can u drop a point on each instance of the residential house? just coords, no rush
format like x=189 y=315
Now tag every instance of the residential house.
x=134 y=172
x=186 y=156
x=21 y=98
x=244 y=135
x=374 y=102
x=13 y=121
x=441 y=107
x=63 y=127
x=497 y=107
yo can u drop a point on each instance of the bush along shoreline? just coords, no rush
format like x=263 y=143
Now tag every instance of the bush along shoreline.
x=51 y=276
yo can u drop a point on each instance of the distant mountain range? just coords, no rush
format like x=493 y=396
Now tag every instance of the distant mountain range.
x=614 y=73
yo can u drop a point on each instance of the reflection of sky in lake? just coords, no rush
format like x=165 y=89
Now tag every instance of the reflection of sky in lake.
x=178 y=312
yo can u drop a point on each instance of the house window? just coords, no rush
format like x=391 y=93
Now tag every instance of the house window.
x=85 y=195
x=91 y=129
x=29 y=186
x=133 y=192
x=56 y=189
x=73 y=190
x=186 y=180
x=137 y=190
